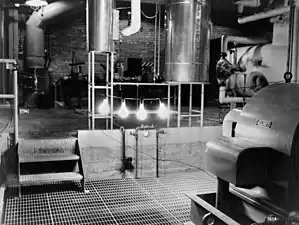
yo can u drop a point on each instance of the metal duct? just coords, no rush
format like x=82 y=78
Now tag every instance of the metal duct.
x=37 y=21
x=135 y=19
x=188 y=41
x=100 y=25
x=2 y=52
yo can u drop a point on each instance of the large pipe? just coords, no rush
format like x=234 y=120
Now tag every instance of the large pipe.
x=100 y=25
x=240 y=40
x=135 y=19
x=264 y=15
x=2 y=52
x=187 y=41
x=38 y=20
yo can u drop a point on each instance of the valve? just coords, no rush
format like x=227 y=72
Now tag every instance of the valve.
x=288 y=77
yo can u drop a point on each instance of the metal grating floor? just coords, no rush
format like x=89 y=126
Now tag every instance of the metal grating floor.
x=129 y=201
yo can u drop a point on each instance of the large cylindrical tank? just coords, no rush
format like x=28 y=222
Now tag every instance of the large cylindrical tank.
x=187 y=41
x=263 y=60
x=100 y=25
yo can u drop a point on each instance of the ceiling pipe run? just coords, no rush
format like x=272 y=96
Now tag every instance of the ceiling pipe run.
x=240 y=40
x=264 y=15
x=135 y=19
x=38 y=21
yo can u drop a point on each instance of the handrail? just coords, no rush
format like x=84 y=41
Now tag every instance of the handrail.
x=9 y=63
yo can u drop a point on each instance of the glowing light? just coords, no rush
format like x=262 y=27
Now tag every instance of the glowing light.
x=163 y=111
x=141 y=113
x=36 y=3
x=104 y=107
x=123 y=112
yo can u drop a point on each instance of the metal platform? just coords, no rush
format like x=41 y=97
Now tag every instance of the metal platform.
x=129 y=201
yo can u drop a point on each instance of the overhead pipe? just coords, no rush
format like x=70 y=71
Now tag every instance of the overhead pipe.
x=135 y=19
x=264 y=15
x=36 y=24
x=225 y=39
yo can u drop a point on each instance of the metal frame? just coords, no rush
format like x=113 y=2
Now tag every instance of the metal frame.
x=13 y=96
x=92 y=116
x=92 y=87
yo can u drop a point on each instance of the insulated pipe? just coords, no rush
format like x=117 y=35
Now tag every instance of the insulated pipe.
x=264 y=15
x=135 y=19
x=223 y=99
x=37 y=21
x=240 y=40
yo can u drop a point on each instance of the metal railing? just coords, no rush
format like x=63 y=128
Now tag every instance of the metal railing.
x=11 y=65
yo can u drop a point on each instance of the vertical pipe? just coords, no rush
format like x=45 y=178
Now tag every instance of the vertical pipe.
x=89 y=97
x=168 y=104
x=112 y=92
x=16 y=120
x=92 y=90
x=87 y=25
x=157 y=153
x=190 y=105
x=179 y=106
x=155 y=45
x=136 y=153
x=159 y=39
x=107 y=84
x=123 y=157
x=2 y=53
x=295 y=46
x=202 y=104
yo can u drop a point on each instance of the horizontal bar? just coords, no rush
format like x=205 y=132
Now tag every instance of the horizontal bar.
x=194 y=110
x=100 y=87
x=139 y=84
x=7 y=96
x=193 y=115
x=5 y=106
x=11 y=61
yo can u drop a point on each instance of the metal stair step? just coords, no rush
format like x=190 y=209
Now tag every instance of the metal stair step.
x=29 y=158
x=49 y=178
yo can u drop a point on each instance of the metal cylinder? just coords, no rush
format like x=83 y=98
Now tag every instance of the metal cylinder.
x=2 y=53
x=100 y=25
x=188 y=41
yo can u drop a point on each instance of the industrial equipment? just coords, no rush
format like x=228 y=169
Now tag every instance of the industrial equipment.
x=256 y=161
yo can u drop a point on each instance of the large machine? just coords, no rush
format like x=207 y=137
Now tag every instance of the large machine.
x=256 y=161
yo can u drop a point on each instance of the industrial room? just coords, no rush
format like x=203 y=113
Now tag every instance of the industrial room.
x=120 y=105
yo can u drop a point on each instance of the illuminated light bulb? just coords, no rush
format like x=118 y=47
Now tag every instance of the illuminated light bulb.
x=36 y=3
x=163 y=112
x=104 y=107
x=123 y=112
x=141 y=113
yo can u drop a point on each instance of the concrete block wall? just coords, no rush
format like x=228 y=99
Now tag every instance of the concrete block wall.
x=181 y=149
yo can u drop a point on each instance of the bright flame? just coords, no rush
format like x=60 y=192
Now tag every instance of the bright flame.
x=104 y=107
x=163 y=112
x=141 y=113
x=123 y=112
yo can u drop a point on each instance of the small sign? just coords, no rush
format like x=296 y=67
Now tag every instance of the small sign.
x=264 y=123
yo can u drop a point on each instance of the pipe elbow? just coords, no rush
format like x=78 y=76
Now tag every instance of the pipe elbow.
x=135 y=19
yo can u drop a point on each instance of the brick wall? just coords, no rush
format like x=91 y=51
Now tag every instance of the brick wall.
x=73 y=38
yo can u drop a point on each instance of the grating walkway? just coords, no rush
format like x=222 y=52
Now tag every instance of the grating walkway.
x=128 y=201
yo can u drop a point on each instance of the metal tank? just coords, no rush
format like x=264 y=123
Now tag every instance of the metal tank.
x=100 y=25
x=187 y=41
x=272 y=66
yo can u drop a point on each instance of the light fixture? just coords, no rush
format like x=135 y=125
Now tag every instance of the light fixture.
x=36 y=3
x=141 y=113
x=163 y=112
x=123 y=112
x=104 y=107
